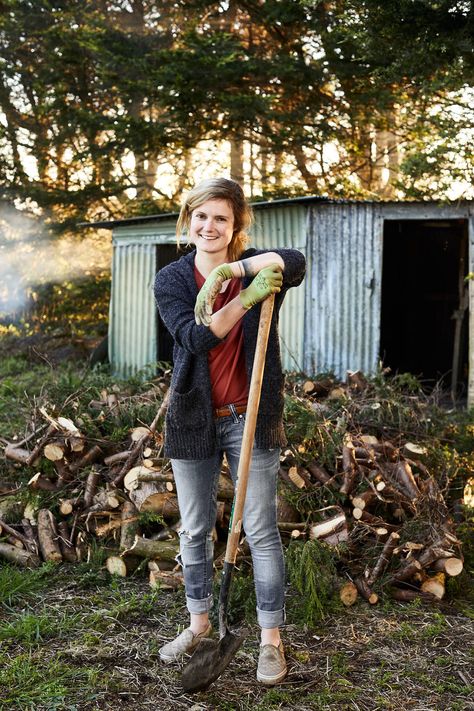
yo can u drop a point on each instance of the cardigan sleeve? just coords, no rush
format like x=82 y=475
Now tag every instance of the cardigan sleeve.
x=295 y=264
x=176 y=308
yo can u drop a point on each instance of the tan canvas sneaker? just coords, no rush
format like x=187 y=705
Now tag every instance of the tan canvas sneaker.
x=271 y=664
x=185 y=643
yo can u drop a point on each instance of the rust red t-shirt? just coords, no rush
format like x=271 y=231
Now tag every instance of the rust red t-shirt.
x=227 y=360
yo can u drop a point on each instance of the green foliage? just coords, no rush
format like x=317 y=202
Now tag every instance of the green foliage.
x=318 y=434
x=312 y=572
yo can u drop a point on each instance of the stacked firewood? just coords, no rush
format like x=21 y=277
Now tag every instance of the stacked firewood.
x=379 y=509
x=390 y=527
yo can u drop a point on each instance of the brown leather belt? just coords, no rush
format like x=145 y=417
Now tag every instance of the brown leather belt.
x=227 y=411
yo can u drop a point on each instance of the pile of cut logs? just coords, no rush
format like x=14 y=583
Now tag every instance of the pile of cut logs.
x=383 y=514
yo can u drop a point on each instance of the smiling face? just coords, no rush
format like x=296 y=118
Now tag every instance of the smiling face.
x=212 y=227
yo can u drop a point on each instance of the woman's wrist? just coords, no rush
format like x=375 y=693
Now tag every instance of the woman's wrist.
x=251 y=266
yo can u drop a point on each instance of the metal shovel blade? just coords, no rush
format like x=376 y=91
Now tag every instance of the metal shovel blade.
x=209 y=660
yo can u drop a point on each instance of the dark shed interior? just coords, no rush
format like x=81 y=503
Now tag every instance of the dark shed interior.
x=424 y=320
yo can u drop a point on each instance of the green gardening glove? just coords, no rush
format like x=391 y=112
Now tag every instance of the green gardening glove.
x=268 y=281
x=208 y=293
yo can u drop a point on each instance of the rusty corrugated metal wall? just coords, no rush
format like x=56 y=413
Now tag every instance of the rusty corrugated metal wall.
x=343 y=288
x=286 y=227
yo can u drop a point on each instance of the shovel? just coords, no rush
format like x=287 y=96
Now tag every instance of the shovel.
x=210 y=657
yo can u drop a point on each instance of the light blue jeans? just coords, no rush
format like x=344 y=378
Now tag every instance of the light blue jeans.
x=196 y=484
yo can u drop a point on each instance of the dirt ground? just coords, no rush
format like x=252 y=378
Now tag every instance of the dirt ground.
x=103 y=635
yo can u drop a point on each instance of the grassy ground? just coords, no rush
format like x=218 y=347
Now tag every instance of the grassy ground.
x=78 y=639
x=73 y=638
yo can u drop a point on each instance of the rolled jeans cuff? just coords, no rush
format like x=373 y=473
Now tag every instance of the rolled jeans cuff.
x=197 y=607
x=268 y=619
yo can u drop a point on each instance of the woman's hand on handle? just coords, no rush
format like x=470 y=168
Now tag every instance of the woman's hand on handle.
x=268 y=281
x=209 y=291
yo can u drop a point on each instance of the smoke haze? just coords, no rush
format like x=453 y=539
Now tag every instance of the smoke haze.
x=28 y=258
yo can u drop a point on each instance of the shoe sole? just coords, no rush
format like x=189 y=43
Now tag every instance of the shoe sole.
x=271 y=680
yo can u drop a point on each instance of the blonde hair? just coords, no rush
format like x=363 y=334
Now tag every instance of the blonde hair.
x=220 y=189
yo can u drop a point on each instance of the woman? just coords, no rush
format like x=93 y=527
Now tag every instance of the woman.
x=213 y=354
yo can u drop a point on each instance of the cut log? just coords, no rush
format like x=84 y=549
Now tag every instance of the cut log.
x=402 y=477
x=384 y=558
x=47 y=537
x=91 y=487
x=435 y=585
x=369 y=440
x=130 y=480
x=308 y=387
x=64 y=473
x=42 y=483
x=451 y=566
x=349 y=466
x=16 y=454
x=294 y=474
x=66 y=506
x=334 y=526
x=102 y=529
x=403 y=595
x=91 y=456
x=414 y=451
x=38 y=448
x=31 y=534
x=107 y=499
x=166 y=534
x=365 y=498
x=129 y=529
x=157 y=550
x=356 y=380
x=149 y=497
x=364 y=590
x=138 y=433
x=54 y=451
x=76 y=442
x=13 y=541
x=6 y=528
x=318 y=473
x=166 y=580
x=291 y=526
x=371 y=520
x=67 y=549
x=20 y=556
x=116 y=458
x=348 y=594
x=406 y=571
x=122 y=565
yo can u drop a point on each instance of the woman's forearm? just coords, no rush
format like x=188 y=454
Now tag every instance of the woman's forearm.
x=253 y=265
x=226 y=318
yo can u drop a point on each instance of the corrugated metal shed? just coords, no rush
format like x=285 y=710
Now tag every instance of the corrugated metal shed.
x=332 y=323
x=343 y=288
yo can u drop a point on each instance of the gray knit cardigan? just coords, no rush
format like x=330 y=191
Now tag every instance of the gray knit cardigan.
x=190 y=431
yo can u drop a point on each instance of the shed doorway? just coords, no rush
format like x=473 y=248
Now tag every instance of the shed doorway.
x=424 y=318
x=165 y=254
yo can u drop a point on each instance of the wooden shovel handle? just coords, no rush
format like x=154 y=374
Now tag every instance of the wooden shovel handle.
x=235 y=525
